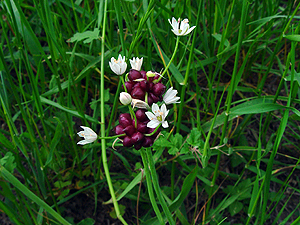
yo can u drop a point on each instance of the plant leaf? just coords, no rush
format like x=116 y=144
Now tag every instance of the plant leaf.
x=87 y=36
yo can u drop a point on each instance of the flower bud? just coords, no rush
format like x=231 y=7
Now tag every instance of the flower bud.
x=150 y=74
x=125 y=98
x=139 y=104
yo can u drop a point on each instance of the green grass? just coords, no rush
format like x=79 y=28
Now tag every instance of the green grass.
x=231 y=152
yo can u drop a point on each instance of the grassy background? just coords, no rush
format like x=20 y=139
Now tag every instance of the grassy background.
x=231 y=153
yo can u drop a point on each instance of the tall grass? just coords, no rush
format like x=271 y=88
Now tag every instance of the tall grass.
x=231 y=153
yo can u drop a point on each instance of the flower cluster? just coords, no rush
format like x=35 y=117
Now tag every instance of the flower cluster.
x=145 y=91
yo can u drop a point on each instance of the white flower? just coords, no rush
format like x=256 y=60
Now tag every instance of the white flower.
x=88 y=134
x=158 y=116
x=139 y=104
x=125 y=98
x=181 y=28
x=118 y=66
x=136 y=63
x=170 y=96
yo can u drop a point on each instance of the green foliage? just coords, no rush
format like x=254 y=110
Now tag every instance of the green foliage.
x=87 y=36
x=231 y=151
x=8 y=161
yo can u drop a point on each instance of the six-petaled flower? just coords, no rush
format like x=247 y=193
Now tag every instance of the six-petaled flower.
x=170 y=96
x=88 y=134
x=181 y=28
x=118 y=66
x=157 y=116
x=136 y=63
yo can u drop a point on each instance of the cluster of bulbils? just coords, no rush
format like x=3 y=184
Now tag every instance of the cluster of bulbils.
x=144 y=91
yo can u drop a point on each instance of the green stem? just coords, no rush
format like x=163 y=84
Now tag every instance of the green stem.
x=157 y=188
x=111 y=137
x=150 y=188
x=103 y=142
x=123 y=82
x=169 y=64
x=153 y=131
x=113 y=111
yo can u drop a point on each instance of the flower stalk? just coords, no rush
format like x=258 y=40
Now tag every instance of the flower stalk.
x=169 y=64
x=103 y=141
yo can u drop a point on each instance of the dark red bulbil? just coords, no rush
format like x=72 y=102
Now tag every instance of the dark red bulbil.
x=138 y=146
x=134 y=74
x=137 y=137
x=129 y=86
x=158 y=89
x=129 y=130
x=119 y=130
x=140 y=115
x=124 y=121
x=127 y=142
x=138 y=93
x=142 y=127
x=148 y=142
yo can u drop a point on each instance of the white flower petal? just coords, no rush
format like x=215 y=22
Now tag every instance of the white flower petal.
x=150 y=116
x=83 y=142
x=165 y=124
x=155 y=109
x=153 y=124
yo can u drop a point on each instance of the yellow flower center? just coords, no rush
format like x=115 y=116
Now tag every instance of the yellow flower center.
x=159 y=118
